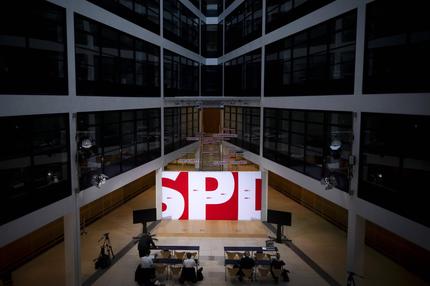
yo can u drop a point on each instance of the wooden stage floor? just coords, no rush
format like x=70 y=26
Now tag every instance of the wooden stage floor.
x=211 y=228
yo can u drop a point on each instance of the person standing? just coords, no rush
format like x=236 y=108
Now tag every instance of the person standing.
x=145 y=244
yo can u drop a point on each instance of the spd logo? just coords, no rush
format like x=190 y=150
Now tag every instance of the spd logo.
x=211 y=195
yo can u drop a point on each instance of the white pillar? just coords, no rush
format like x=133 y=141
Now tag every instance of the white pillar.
x=158 y=193
x=71 y=220
x=355 y=243
x=264 y=192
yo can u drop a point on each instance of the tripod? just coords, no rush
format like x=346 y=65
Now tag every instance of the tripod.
x=350 y=280
x=106 y=245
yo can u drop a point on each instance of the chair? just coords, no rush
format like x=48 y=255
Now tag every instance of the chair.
x=179 y=254
x=176 y=271
x=260 y=256
x=160 y=269
x=240 y=254
x=194 y=255
x=165 y=254
x=248 y=273
x=231 y=255
x=263 y=271
x=232 y=271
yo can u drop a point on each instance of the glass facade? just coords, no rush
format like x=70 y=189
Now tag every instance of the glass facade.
x=397 y=57
x=181 y=25
x=32 y=48
x=34 y=163
x=245 y=122
x=212 y=8
x=395 y=163
x=211 y=80
x=113 y=142
x=282 y=12
x=112 y=63
x=315 y=143
x=145 y=13
x=243 y=75
x=243 y=24
x=212 y=41
x=181 y=75
x=317 y=61
x=179 y=123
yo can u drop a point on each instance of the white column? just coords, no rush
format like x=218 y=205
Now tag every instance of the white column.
x=359 y=48
x=264 y=192
x=355 y=243
x=158 y=193
x=71 y=220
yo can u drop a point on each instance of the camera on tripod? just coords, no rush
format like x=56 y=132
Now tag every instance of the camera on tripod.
x=106 y=253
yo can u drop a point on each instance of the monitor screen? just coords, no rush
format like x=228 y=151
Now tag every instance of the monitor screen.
x=144 y=215
x=279 y=217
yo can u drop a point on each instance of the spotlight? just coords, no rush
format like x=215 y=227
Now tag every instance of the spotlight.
x=99 y=180
x=86 y=143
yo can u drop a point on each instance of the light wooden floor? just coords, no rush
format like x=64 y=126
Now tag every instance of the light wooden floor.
x=212 y=228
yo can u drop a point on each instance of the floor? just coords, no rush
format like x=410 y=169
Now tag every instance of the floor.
x=321 y=241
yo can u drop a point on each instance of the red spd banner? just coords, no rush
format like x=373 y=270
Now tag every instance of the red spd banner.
x=211 y=195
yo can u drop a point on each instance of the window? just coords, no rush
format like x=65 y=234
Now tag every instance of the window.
x=282 y=12
x=181 y=25
x=32 y=48
x=34 y=163
x=211 y=80
x=243 y=24
x=111 y=63
x=181 y=75
x=317 y=61
x=396 y=55
x=301 y=140
x=395 y=163
x=243 y=75
x=212 y=40
x=145 y=13
x=120 y=141
x=245 y=122
x=179 y=123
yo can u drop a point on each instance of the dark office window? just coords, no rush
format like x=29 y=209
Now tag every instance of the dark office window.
x=211 y=80
x=282 y=12
x=397 y=57
x=112 y=63
x=211 y=41
x=243 y=24
x=245 y=122
x=317 y=61
x=179 y=123
x=181 y=25
x=211 y=8
x=228 y=3
x=33 y=56
x=181 y=75
x=113 y=142
x=243 y=75
x=196 y=3
x=34 y=160
x=315 y=143
x=145 y=13
x=395 y=163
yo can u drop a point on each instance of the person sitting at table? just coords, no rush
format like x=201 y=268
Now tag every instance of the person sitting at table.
x=145 y=272
x=245 y=262
x=277 y=264
x=188 y=270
